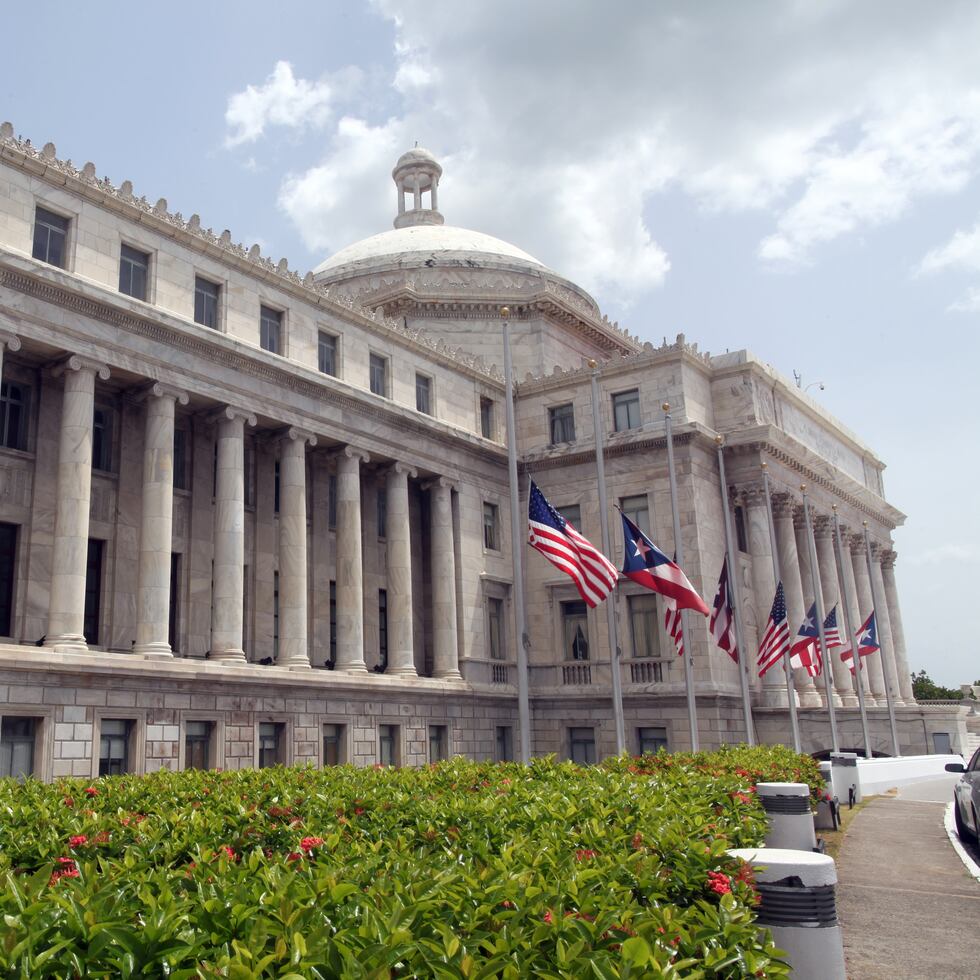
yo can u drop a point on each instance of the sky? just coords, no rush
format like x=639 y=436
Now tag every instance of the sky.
x=801 y=178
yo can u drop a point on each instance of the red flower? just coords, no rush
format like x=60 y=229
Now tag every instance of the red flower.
x=230 y=851
x=294 y=856
x=308 y=843
x=91 y=791
x=358 y=811
x=637 y=841
x=67 y=860
x=548 y=917
x=77 y=840
x=584 y=854
x=719 y=883
x=102 y=837
x=69 y=802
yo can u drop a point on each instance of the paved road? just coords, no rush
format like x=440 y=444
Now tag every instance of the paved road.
x=940 y=790
x=907 y=905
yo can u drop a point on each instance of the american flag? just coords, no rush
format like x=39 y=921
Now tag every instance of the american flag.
x=831 y=632
x=722 y=623
x=594 y=575
x=775 y=639
x=672 y=623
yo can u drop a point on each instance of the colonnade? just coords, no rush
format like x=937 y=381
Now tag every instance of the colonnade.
x=790 y=530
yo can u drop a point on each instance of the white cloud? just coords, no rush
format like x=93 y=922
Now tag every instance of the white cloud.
x=960 y=254
x=944 y=553
x=969 y=302
x=282 y=100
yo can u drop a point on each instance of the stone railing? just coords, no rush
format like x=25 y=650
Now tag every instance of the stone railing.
x=577 y=674
x=646 y=671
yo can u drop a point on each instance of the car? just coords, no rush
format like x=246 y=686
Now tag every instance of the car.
x=966 y=798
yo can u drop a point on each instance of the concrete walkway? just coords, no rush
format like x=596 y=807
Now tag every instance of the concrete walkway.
x=907 y=905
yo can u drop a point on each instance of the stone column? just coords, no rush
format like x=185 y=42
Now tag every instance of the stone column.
x=350 y=563
x=8 y=341
x=227 y=626
x=827 y=566
x=294 y=651
x=789 y=564
x=445 y=655
x=773 y=692
x=885 y=637
x=66 y=612
x=401 y=648
x=898 y=632
x=156 y=522
x=862 y=589
x=855 y=603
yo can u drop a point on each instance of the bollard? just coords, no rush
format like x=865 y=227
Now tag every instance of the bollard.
x=787 y=806
x=798 y=904
x=846 y=777
x=826 y=816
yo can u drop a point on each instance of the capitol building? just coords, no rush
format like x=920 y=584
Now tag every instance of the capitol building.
x=251 y=517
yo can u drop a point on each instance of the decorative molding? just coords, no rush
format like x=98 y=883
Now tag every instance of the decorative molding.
x=77 y=362
x=229 y=413
x=400 y=467
x=159 y=389
x=296 y=434
x=559 y=458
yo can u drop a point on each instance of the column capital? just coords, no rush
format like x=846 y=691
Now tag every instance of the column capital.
x=78 y=362
x=159 y=389
x=782 y=504
x=752 y=495
x=350 y=452
x=399 y=467
x=823 y=526
x=888 y=558
x=296 y=434
x=9 y=340
x=799 y=518
x=229 y=413
x=440 y=483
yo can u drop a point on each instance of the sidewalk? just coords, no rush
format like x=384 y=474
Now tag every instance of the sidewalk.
x=907 y=906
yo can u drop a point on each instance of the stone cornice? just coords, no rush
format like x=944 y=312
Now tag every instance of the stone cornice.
x=556 y=459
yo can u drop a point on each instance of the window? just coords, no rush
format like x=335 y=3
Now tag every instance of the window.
x=50 y=237
x=575 y=630
x=561 y=423
x=383 y=629
x=114 y=737
x=275 y=617
x=206 y=295
x=197 y=744
x=495 y=628
x=14 y=414
x=270 y=744
x=102 y=439
x=582 y=746
x=379 y=374
x=249 y=466
x=637 y=509
x=332 y=501
x=8 y=571
x=275 y=486
x=181 y=469
x=17 y=738
x=93 y=591
x=626 y=410
x=490 y=536
x=326 y=353
x=382 y=514
x=504 y=747
x=486 y=418
x=423 y=392
x=573 y=514
x=173 y=619
x=438 y=743
x=651 y=739
x=134 y=272
x=334 y=737
x=270 y=329
x=333 y=622
x=644 y=626
x=741 y=538
x=388 y=745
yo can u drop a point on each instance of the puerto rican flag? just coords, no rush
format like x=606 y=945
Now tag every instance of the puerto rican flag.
x=647 y=565
x=867 y=642
x=722 y=623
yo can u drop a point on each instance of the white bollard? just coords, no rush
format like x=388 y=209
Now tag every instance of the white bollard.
x=798 y=904
x=825 y=818
x=787 y=806
x=846 y=777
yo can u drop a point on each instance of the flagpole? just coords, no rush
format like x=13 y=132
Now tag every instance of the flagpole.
x=818 y=601
x=855 y=656
x=885 y=666
x=794 y=720
x=517 y=552
x=736 y=597
x=692 y=709
x=617 y=681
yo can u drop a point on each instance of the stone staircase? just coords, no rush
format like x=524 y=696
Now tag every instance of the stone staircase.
x=972 y=744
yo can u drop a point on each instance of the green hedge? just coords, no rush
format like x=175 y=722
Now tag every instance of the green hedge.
x=458 y=870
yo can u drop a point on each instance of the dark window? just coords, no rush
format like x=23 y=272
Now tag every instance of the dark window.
x=561 y=423
x=379 y=374
x=388 y=745
x=50 y=237
x=490 y=527
x=383 y=628
x=270 y=329
x=575 y=629
x=249 y=460
x=644 y=626
x=181 y=469
x=423 y=392
x=134 y=272
x=651 y=739
x=114 y=738
x=504 y=748
x=637 y=509
x=382 y=514
x=8 y=572
x=93 y=591
x=197 y=744
x=626 y=410
x=333 y=622
x=206 y=295
x=495 y=628
x=333 y=745
x=275 y=617
x=17 y=738
x=173 y=620
x=582 y=745
x=332 y=501
x=327 y=353
x=741 y=538
x=270 y=744
x=246 y=608
x=14 y=413
x=573 y=514
x=275 y=492
x=486 y=418
x=438 y=743
x=102 y=439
